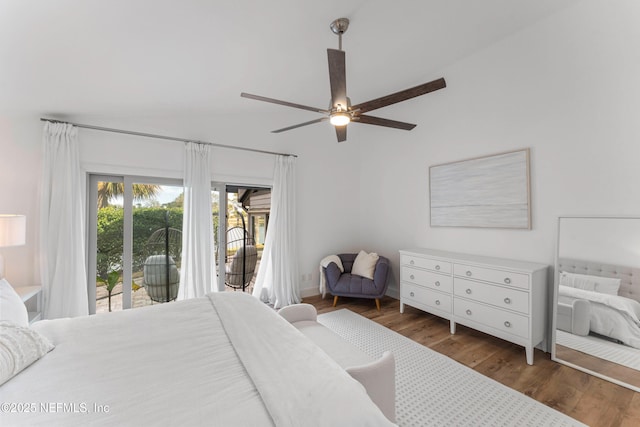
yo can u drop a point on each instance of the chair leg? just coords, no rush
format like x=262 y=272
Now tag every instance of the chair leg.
x=378 y=304
x=335 y=300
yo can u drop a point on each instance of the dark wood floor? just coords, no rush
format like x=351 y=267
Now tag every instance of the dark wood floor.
x=591 y=400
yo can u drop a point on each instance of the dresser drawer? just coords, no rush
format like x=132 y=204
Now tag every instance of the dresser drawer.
x=517 y=280
x=496 y=318
x=430 y=279
x=499 y=296
x=426 y=297
x=429 y=264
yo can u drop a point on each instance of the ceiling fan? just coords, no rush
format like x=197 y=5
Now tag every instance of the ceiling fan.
x=341 y=112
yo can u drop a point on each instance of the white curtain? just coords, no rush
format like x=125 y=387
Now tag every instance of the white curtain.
x=197 y=271
x=62 y=236
x=276 y=282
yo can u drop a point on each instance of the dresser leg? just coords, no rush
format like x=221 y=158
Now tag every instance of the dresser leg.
x=452 y=327
x=529 y=350
x=401 y=307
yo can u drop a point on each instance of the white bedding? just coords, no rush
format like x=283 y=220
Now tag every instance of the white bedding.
x=222 y=360
x=611 y=315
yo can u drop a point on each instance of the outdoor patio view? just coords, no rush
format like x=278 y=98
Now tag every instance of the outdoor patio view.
x=157 y=241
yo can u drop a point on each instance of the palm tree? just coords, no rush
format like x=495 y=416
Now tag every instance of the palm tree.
x=108 y=191
x=110 y=282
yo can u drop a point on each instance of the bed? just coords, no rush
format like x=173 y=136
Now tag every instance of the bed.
x=601 y=299
x=224 y=359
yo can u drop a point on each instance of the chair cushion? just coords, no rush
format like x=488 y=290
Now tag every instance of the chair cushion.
x=357 y=286
x=365 y=264
x=155 y=271
x=234 y=273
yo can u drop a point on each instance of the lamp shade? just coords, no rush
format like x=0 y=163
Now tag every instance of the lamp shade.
x=13 y=230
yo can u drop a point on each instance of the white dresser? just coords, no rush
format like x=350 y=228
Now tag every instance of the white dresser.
x=501 y=297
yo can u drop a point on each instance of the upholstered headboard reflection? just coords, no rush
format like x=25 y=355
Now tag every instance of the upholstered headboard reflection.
x=629 y=276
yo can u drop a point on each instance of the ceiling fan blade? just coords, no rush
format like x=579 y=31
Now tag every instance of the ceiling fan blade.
x=370 y=120
x=337 y=77
x=321 y=119
x=285 y=103
x=394 y=98
x=341 y=133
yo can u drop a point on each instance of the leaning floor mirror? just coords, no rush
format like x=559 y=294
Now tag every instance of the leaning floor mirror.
x=596 y=322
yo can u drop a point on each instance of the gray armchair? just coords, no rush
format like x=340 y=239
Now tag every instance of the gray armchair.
x=345 y=284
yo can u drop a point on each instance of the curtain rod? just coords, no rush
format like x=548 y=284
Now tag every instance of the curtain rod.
x=170 y=138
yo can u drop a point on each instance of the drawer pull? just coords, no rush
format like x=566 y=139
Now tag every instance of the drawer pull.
x=412 y=262
x=469 y=312
x=468 y=291
x=437 y=283
x=437 y=302
x=507 y=324
x=412 y=294
x=507 y=300
x=468 y=273
x=507 y=280
x=437 y=267
x=412 y=277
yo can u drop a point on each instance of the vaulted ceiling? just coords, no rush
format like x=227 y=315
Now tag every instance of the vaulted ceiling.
x=181 y=57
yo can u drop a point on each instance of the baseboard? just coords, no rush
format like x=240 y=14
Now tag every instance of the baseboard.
x=309 y=292
x=393 y=292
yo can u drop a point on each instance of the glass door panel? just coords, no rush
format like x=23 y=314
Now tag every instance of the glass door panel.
x=156 y=243
x=218 y=222
x=136 y=224
x=106 y=288
x=247 y=216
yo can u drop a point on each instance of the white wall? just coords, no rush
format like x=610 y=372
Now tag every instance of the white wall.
x=567 y=88
x=614 y=241
x=20 y=160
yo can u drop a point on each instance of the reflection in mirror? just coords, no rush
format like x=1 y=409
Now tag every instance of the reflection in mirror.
x=597 y=297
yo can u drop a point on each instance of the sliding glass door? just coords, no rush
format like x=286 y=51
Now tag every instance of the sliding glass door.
x=135 y=239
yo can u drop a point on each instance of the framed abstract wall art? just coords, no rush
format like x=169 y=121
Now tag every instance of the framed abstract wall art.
x=491 y=191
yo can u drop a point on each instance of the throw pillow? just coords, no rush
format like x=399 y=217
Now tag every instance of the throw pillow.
x=11 y=306
x=365 y=264
x=603 y=285
x=19 y=347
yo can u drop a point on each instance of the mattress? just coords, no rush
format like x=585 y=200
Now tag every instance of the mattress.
x=221 y=360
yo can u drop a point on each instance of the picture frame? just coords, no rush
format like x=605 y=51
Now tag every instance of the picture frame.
x=487 y=192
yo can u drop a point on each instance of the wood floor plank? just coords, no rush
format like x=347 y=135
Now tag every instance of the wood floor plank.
x=632 y=416
x=589 y=399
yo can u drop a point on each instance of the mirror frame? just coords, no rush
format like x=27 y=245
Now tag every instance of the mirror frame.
x=554 y=312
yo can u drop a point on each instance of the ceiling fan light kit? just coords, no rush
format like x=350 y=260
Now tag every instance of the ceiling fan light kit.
x=341 y=112
x=339 y=119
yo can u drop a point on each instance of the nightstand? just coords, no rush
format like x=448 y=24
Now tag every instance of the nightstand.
x=32 y=298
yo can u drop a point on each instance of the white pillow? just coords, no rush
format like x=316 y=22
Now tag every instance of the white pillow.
x=365 y=264
x=11 y=306
x=19 y=347
x=603 y=285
